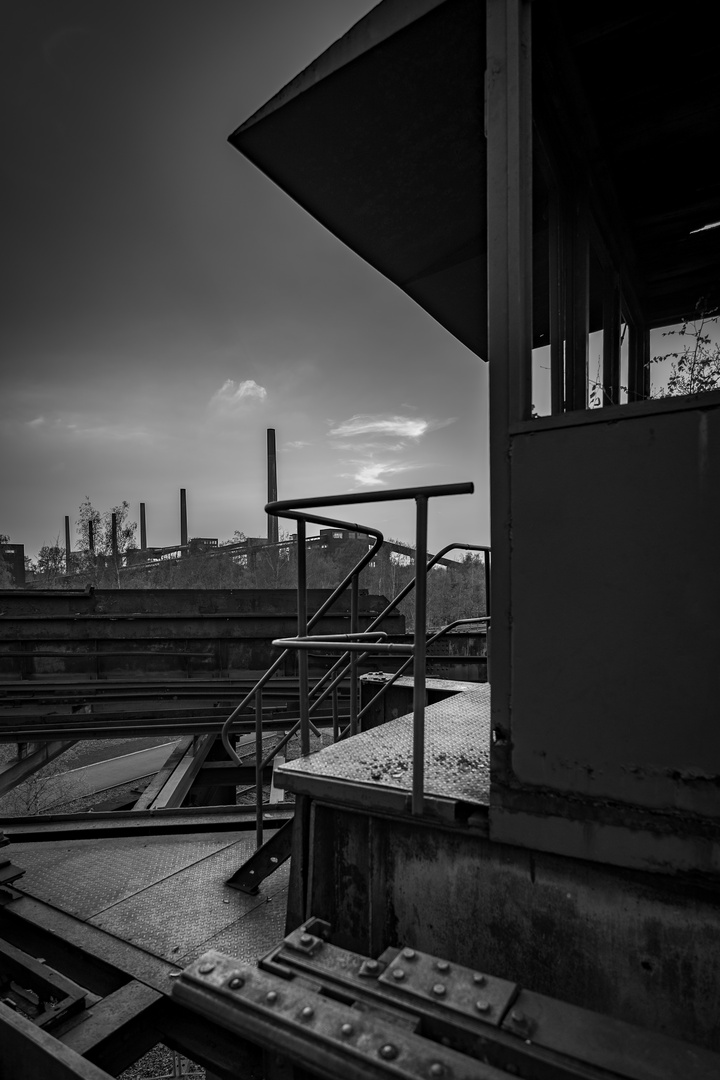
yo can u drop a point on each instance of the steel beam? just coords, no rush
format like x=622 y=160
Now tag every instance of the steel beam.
x=16 y=772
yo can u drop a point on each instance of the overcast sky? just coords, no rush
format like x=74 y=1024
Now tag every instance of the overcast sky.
x=163 y=303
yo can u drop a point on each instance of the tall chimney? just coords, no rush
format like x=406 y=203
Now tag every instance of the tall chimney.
x=68 y=558
x=183 y=517
x=143 y=528
x=272 y=484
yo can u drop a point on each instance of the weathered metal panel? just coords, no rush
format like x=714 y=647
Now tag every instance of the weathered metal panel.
x=615 y=594
x=639 y=947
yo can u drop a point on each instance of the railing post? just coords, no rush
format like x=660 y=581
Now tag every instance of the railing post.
x=258 y=769
x=302 y=632
x=418 y=780
x=354 y=628
x=335 y=714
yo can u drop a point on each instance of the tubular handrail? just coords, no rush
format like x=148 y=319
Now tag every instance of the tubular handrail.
x=335 y=641
x=315 y=618
x=421 y=496
x=304 y=723
x=391 y=607
x=355 y=642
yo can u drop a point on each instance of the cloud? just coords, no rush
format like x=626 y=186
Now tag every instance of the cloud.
x=404 y=426
x=37 y=422
x=233 y=394
x=369 y=473
x=298 y=444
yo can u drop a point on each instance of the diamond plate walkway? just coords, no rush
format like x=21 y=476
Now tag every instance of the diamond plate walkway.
x=164 y=894
x=375 y=767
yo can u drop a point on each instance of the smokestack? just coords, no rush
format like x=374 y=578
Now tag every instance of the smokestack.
x=272 y=484
x=143 y=529
x=183 y=517
x=67 y=545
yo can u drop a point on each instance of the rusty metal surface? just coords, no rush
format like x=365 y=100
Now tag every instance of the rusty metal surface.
x=166 y=895
x=457 y=752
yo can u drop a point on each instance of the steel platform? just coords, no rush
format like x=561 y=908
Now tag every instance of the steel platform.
x=165 y=895
x=376 y=766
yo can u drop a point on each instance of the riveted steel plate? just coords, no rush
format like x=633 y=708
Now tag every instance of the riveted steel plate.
x=253 y=1003
x=190 y=907
x=463 y=990
x=457 y=752
x=85 y=877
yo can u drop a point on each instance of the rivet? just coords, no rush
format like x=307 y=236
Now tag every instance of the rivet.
x=236 y=982
x=482 y=1006
x=388 y=1051
x=439 y=989
x=442 y=965
x=347 y=1029
x=517 y=1016
x=205 y=969
x=398 y=974
x=409 y=954
x=271 y=996
x=371 y=965
x=305 y=939
x=436 y=1069
x=478 y=979
x=307 y=1012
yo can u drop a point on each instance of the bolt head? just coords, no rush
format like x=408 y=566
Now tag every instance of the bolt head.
x=388 y=1051
x=347 y=1029
x=442 y=965
x=482 y=1006
x=205 y=969
x=371 y=965
x=409 y=954
x=308 y=1012
x=398 y=974
x=479 y=979
x=236 y=982
x=439 y=989
x=436 y=1069
x=271 y=997
x=518 y=1017
x=305 y=939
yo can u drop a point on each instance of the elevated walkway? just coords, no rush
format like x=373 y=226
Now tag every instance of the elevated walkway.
x=373 y=770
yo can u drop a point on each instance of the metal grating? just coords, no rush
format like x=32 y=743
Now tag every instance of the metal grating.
x=457 y=751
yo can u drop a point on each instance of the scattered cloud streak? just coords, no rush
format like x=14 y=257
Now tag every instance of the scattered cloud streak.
x=404 y=426
x=392 y=434
x=233 y=395
x=370 y=473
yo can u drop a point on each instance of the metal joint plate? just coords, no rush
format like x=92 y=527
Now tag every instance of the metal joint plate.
x=244 y=998
x=463 y=990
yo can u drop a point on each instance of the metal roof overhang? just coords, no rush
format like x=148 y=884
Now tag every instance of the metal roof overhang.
x=381 y=139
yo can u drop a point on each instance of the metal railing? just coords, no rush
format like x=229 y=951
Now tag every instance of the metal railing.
x=355 y=644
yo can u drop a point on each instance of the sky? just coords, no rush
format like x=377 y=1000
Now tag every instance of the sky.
x=163 y=303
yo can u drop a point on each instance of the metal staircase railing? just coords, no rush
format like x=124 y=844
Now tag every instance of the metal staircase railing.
x=354 y=644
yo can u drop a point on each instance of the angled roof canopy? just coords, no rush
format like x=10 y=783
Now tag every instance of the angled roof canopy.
x=381 y=139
